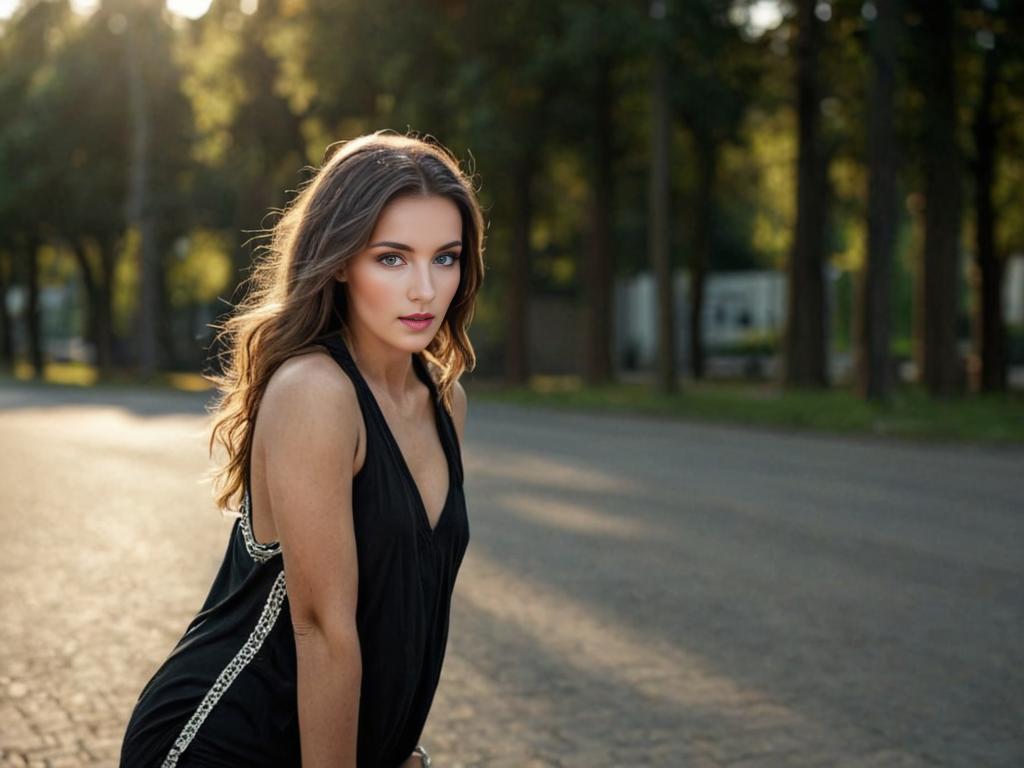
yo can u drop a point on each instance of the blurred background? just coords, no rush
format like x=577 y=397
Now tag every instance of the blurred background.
x=805 y=217
x=821 y=195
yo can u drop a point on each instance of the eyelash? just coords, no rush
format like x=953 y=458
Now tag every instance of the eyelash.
x=380 y=259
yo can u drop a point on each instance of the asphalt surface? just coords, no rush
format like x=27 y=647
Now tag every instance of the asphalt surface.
x=636 y=591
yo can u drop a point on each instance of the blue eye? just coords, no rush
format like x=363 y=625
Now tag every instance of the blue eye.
x=454 y=257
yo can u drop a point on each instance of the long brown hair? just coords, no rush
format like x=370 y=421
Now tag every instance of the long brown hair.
x=293 y=296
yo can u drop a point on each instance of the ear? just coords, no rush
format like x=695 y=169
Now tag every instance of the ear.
x=340 y=275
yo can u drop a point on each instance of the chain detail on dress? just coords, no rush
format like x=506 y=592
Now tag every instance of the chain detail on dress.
x=271 y=609
x=259 y=552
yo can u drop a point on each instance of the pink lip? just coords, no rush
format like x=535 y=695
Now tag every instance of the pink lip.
x=417 y=325
x=417 y=317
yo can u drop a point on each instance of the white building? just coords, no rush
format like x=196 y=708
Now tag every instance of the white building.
x=738 y=306
x=1013 y=290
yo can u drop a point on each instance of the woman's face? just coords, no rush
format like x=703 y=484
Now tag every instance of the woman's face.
x=411 y=267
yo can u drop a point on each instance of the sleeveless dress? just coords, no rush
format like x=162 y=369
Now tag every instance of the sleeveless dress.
x=226 y=694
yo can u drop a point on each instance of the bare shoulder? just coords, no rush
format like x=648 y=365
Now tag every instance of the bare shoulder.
x=460 y=405
x=310 y=379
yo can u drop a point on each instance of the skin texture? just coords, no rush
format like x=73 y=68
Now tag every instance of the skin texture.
x=309 y=442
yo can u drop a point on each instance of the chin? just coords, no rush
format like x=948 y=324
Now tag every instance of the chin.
x=414 y=342
x=399 y=337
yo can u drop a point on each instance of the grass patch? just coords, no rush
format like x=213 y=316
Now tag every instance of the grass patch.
x=84 y=375
x=911 y=413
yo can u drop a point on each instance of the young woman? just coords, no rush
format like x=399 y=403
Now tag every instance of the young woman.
x=323 y=635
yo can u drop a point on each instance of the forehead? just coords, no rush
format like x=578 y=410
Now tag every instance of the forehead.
x=419 y=221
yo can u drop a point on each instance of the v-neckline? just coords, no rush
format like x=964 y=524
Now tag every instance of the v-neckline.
x=424 y=376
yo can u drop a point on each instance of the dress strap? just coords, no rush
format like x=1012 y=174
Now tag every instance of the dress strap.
x=338 y=349
x=340 y=352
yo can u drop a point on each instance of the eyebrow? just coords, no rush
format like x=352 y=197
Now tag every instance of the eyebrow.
x=401 y=247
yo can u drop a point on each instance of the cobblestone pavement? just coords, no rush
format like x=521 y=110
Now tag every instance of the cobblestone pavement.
x=636 y=592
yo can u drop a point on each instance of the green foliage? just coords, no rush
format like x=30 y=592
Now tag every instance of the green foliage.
x=200 y=268
x=241 y=102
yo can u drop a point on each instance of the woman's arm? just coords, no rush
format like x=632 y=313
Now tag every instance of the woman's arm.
x=309 y=418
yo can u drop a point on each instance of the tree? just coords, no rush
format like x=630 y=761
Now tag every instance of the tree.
x=717 y=75
x=593 y=49
x=140 y=37
x=997 y=32
x=25 y=46
x=873 y=368
x=85 y=128
x=804 y=347
x=942 y=374
x=659 y=200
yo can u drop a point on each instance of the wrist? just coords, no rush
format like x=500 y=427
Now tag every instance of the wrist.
x=423 y=755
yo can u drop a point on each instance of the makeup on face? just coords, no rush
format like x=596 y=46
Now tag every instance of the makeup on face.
x=411 y=270
x=418 y=323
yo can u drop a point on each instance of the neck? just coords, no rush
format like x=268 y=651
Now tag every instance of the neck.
x=389 y=370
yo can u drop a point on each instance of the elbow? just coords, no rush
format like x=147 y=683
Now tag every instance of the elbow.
x=339 y=636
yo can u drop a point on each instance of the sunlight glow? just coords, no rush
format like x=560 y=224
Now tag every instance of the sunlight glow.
x=84 y=7
x=190 y=9
x=765 y=15
x=758 y=17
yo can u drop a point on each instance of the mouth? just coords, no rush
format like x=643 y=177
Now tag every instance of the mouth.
x=419 y=322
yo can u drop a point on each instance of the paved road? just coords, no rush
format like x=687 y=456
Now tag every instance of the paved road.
x=636 y=592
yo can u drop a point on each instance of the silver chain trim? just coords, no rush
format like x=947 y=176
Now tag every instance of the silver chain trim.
x=259 y=552
x=271 y=609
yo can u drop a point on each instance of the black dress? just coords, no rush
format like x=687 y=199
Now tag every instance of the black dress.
x=226 y=695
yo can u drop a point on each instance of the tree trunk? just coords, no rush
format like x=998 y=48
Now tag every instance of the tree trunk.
x=104 y=307
x=988 y=329
x=32 y=319
x=89 y=282
x=804 y=346
x=6 y=325
x=942 y=368
x=138 y=204
x=165 y=329
x=873 y=368
x=659 y=194
x=517 y=370
x=700 y=258
x=517 y=363
x=98 y=290
x=598 y=271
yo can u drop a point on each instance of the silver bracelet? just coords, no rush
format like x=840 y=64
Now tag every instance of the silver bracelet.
x=424 y=756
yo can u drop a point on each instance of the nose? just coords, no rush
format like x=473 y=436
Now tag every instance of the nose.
x=422 y=289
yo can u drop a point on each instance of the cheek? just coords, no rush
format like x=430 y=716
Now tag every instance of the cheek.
x=450 y=284
x=373 y=289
